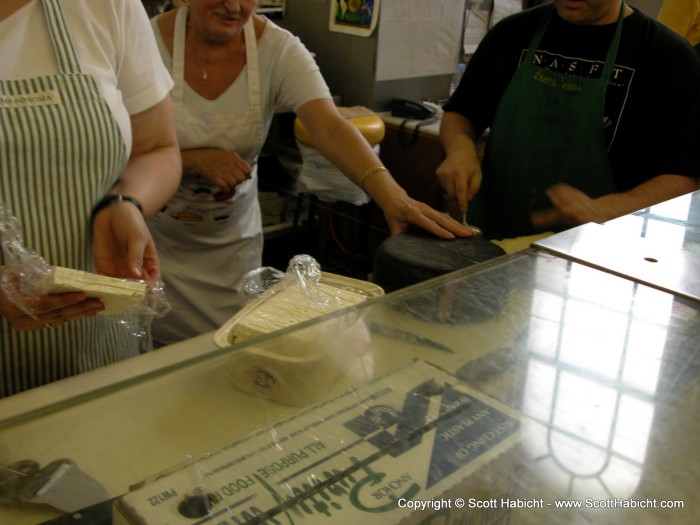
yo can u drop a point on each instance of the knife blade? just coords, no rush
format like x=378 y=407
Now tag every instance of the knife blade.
x=386 y=330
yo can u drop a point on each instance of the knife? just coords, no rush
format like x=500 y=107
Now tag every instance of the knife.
x=386 y=330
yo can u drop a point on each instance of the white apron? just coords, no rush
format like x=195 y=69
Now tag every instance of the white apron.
x=60 y=152
x=207 y=239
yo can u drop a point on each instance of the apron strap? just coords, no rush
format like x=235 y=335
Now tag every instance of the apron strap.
x=254 y=90
x=251 y=46
x=179 y=56
x=535 y=42
x=612 y=48
x=614 y=45
x=63 y=45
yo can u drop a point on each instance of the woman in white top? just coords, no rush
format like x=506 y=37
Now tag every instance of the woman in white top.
x=231 y=67
x=87 y=150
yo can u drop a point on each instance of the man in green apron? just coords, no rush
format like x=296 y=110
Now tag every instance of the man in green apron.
x=593 y=112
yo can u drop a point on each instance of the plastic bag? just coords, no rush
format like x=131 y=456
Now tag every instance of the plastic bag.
x=28 y=274
x=304 y=273
x=306 y=363
x=321 y=178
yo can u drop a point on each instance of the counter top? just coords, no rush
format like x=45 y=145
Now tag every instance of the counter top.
x=659 y=246
x=598 y=371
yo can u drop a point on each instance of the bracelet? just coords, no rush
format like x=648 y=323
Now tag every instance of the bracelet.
x=108 y=200
x=369 y=172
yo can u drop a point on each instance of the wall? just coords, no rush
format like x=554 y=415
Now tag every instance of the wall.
x=348 y=62
x=650 y=7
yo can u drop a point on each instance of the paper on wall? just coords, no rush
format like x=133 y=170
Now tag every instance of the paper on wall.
x=482 y=16
x=419 y=38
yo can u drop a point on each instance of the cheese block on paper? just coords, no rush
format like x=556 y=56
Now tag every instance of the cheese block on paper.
x=291 y=306
x=116 y=294
x=278 y=309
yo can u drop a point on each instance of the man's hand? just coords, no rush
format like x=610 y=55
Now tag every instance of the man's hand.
x=460 y=173
x=460 y=176
x=572 y=207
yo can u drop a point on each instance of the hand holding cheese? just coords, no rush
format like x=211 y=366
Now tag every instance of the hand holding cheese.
x=46 y=310
x=116 y=295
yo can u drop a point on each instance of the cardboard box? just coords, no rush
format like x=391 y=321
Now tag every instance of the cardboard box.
x=416 y=435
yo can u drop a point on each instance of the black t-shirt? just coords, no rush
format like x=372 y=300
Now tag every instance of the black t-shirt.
x=652 y=110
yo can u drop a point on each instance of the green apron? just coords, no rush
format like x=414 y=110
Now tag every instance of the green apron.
x=548 y=129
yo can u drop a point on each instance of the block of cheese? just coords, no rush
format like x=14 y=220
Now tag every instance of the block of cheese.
x=282 y=308
x=298 y=369
x=116 y=294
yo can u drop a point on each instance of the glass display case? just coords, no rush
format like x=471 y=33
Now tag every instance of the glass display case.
x=535 y=388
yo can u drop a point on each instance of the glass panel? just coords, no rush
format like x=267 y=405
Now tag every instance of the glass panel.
x=522 y=379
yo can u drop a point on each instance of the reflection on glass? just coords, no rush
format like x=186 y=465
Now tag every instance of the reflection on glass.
x=594 y=359
x=677 y=209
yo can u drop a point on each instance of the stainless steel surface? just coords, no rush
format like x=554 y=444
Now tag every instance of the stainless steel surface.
x=391 y=332
x=60 y=484
x=658 y=246
x=643 y=260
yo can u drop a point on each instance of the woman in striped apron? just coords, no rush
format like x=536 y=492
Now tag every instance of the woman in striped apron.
x=87 y=149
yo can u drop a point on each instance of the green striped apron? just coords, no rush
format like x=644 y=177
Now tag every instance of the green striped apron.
x=60 y=152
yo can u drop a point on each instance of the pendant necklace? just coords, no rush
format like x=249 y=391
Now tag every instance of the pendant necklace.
x=205 y=75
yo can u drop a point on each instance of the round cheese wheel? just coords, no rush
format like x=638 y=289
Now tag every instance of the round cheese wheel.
x=371 y=127
x=411 y=258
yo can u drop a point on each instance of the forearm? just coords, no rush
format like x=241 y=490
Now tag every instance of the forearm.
x=334 y=137
x=194 y=161
x=654 y=191
x=344 y=146
x=151 y=178
x=460 y=173
x=153 y=171
x=457 y=135
x=359 y=167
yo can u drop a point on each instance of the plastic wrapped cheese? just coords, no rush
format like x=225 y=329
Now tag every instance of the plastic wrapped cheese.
x=117 y=295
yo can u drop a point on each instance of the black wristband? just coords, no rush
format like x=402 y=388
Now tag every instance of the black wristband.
x=108 y=200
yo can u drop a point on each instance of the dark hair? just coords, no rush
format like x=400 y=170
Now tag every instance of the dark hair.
x=156 y=7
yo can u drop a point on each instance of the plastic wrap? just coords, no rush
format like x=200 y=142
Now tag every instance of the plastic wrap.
x=395 y=445
x=133 y=303
x=278 y=300
x=369 y=455
x=302 y=293
x=321 y=178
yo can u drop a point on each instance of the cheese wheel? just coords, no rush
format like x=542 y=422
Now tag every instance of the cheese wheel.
x=370 y=125
x=411 y=258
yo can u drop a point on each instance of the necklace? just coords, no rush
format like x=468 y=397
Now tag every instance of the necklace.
x=205 y=75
